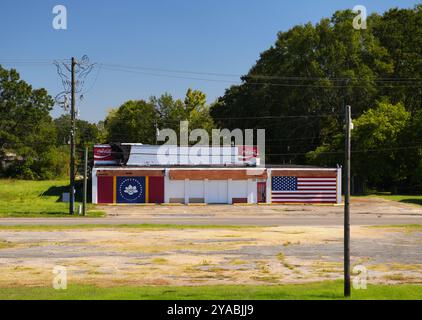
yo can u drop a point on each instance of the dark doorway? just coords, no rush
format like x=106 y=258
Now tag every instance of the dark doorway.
x=262 y=192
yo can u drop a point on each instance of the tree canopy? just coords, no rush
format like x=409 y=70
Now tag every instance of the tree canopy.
x=138 y=121
x=27 y=133
x=298 y=88
x=134 y=121
x=86 y=133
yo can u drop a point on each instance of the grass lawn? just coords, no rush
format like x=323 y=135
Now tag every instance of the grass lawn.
x=412 y=199
x=408 y=228
x=321 y=290
x=405 y=199
x=21 y=198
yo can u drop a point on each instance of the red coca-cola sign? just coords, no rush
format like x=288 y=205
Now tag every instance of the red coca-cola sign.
x=248 y=152
x=103 y=154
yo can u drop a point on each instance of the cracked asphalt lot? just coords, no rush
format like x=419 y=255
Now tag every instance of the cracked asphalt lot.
x=287 y=246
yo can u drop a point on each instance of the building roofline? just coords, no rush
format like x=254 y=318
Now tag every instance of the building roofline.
x=211 y=167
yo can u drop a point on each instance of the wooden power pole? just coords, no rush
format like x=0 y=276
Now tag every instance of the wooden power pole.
x=85 y=181
x=72 y=141
x=348 y=129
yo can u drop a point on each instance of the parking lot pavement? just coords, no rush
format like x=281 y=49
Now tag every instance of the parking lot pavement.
x=364 y=211
x=107 y=256
x=291 y=244
x=365 y=206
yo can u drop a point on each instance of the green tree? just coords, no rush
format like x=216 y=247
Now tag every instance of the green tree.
x=400 y=32
x=378 y=147
x=26 y=128
x=134 y=121
x=86 y=133
x=193 y=108
x=311 y=70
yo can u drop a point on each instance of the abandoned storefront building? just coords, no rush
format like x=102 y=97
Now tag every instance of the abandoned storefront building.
x=137 y=173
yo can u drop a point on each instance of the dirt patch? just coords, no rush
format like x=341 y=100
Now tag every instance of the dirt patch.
x=362 y=206
x=112 y=256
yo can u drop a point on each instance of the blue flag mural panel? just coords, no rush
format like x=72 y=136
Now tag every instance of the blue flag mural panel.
x=130 y=189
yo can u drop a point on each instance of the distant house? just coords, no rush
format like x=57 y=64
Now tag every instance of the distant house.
x=7 y=158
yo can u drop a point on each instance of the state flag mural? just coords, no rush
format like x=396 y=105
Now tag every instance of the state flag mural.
x=130 y=190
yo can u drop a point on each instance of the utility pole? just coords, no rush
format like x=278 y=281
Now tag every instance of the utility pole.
x=85 y=181
x=72 y=141
x=348 y=129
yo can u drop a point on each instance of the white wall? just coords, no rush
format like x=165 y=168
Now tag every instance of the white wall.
x=339 y=199
x=94 y=186
x=252 y=191
x=239 y=189
x=217 y=191
x=174 y=189
x=269 y=186
x=212 y=191
x=196 y=188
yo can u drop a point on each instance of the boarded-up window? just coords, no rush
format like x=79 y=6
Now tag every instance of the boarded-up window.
x=105 y=190
x=156 y=189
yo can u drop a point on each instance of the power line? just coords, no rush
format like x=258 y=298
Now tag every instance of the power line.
x=382 y=81
x=252 y=76
x=255 y=75
x=328 y=86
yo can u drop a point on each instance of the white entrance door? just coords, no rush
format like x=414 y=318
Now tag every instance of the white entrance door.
x=217 y=191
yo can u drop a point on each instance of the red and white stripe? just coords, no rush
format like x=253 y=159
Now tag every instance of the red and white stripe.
x=309 y=190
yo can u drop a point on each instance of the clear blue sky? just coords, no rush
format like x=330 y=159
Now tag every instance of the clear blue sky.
x=197 y=35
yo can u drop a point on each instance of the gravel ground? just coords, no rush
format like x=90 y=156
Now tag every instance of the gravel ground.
x=109 y=256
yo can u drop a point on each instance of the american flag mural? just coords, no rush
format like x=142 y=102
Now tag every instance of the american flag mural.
x=304 y=189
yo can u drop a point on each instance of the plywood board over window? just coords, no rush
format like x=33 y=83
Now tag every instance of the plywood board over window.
x=130 y=173
x=217 y=174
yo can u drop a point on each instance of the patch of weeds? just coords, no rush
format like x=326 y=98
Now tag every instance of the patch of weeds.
x=4 y=244
x=94 y=272
x=407 y=267
x=262 y=267
x=327 y=264
x=205 y=263
x=396 y=277
x=36 y=272
x=80 y=263
x=20 y=268
x=217 y=269
x=282 y=258
x=158 y=282
x=205 y=276
x=190 y=269
x=379 y=267
x=330 y=270
x=237 y=262
x=159 y=260
x=293 y=232
x=408 y=228
x=271 y=279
